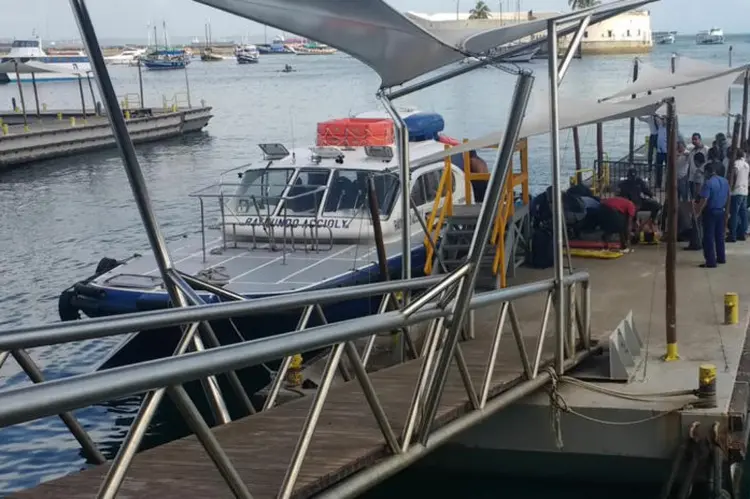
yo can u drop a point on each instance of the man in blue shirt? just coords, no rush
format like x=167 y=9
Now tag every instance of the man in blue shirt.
x=714 y=195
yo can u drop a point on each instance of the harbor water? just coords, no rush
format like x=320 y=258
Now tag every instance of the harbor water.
x=60 y=217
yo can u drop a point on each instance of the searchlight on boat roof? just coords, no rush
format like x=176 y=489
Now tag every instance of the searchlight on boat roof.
x=274 y=151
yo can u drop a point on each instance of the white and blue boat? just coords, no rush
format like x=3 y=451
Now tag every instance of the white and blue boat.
x=296 y=221
x=166 y=59
x=27 y=57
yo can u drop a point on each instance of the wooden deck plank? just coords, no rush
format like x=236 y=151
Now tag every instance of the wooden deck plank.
x=347 y=438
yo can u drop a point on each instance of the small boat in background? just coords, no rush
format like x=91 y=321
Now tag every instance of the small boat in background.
x=247 y=54
x=664 y=37
x=314 y=48
x=276 y=47
x=714 y=36
x=166 y=59
x=29 y=57
x=207 y=52
x=127 y=57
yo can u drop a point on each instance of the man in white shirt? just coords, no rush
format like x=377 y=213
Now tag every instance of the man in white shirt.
x=695 y=172
x=739 y=179
x=683 y=170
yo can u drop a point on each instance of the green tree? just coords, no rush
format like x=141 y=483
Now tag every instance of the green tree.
x=583 y=4
x=480 y=11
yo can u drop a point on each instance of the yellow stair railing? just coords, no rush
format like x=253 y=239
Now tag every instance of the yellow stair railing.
x=505 y=212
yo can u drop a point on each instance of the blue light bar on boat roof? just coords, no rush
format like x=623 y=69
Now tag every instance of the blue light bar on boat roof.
x=424 y=126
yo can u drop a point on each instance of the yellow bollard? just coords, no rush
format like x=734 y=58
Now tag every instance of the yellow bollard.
x=706 y=386
x=174 y=108
x=294 y=374
x=127 y=115
x=59 y=116
x=26 y=128
x=731 y=308
x=17 y=109
x=72 y=121
x=44 y=107
x=5 y=129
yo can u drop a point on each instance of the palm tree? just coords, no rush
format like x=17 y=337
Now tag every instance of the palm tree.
x=480 y=11
x=583 y=4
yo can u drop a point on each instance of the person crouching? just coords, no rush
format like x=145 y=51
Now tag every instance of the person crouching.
x=616 y=215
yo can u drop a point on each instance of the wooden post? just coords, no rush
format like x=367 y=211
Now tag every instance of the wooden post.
x=20 y=94
x=83 y=99
x=671 y=262
x=631 y=153
x=577 y=153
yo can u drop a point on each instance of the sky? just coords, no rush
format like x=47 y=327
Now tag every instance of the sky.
x=53 y=20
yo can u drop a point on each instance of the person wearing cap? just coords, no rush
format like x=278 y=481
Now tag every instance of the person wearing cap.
x=711 y=206
x=635 y=189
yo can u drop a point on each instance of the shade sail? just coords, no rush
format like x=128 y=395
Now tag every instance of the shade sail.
x=397 y=48
x=687 y=72
x=572 y=112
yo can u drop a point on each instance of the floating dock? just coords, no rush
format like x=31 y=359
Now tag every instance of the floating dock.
x=645 y=434
x=52 y=134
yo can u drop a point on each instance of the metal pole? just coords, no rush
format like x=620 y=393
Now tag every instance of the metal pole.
x=729 y=96
x=36 y=95
x=93 y=95
x=485 y=221
x=187 y=87
x=572 y=48
x=36 y=376
x=116 y=473
x=631 y=153
x=671 y=263
x=20 y=94
x=745 y=88
x=83 y=99
x=140 y=86
x=402 y=138
x=557 y=209
x=206 y=437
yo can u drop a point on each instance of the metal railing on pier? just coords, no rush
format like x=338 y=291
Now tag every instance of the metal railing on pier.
x=433 y=307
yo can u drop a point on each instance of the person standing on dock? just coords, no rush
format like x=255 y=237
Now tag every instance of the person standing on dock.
x=683 y=171
x=739 y=179
x=696 y=170
x=653 y=127
x=714 y=195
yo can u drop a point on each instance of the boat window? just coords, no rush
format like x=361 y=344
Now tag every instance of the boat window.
x=265 y=187
x=306 y=193
x=348 y=192
x=426 y=186
x=25 y=44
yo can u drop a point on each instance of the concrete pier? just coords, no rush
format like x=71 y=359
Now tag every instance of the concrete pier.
x=612 y=436
x=58 y=133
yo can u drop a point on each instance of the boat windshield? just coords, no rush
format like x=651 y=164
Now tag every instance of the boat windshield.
x=265 y=187
x=348 y=192
x=305 y=195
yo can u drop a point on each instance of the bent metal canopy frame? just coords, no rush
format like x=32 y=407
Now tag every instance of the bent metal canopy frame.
x=397 y=48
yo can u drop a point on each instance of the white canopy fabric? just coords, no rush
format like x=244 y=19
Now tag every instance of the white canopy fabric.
x=26 y=66
x=572 y=113
x=687 y=72
x=395 y=47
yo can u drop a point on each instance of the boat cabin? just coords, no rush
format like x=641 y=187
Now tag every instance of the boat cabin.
x=321 y=191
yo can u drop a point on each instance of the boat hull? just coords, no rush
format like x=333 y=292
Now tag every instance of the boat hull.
x=98 y=301
x=38 y=77
x=247 y=59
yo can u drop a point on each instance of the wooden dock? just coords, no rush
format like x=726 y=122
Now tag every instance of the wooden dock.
x=346 y=440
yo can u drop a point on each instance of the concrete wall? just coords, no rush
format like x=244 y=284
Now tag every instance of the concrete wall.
x=628 y=33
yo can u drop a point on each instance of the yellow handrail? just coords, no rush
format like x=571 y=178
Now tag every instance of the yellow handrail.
x=505 y=212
